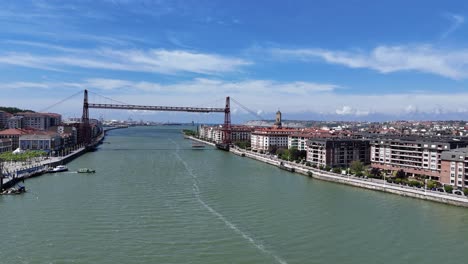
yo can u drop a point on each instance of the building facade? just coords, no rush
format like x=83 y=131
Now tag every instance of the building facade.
x=299 y=141
x=264 y=138
x=454 y=168
x=417 y=156
x=14 y=135
x=46 y=142
x=241 y=134
x=6 y=145
x=38 y=121
x=4 y=116
x=15 y=122
x=337 y=152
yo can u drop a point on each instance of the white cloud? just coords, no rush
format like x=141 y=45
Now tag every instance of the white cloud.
x=153 y=60
x=456 y=20
x=386 y=59
x=260 y=96
x=203 y=85
x=348 y=110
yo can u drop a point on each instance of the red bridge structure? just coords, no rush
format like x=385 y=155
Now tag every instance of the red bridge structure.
x=86 y=129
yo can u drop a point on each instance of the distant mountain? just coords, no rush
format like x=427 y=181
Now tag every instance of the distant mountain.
x=13 y=110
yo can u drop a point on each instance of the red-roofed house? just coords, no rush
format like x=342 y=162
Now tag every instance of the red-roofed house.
x=13 y=134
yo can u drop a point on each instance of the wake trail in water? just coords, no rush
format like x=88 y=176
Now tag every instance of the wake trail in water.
x=196 y=191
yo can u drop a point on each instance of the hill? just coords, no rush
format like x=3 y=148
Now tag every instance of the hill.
x=13 y=110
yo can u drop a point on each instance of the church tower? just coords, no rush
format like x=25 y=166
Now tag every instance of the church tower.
x=278 y=119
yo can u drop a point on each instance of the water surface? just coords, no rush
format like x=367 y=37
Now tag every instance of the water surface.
x=155 y=200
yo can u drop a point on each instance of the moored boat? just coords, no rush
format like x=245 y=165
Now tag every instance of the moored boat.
x=198 y=146
x=59 y=168
x=19 y=190
x=86 y=170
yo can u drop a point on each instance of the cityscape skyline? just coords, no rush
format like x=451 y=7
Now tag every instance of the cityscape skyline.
x=321 y=60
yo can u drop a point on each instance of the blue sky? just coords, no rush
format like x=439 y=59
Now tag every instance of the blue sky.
x=350 y=60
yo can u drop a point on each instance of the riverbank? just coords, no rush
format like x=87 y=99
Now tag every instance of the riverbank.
x=19 y=173
x=371 y=184
x=200 y=140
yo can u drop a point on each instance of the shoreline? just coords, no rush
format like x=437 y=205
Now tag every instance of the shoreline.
x=370 y=184
x=42 y=167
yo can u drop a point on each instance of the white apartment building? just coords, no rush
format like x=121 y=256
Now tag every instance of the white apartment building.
x=298 y=141
x=264 y=138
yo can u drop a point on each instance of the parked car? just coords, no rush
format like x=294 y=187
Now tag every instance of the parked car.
x=440 y=190
x=458 y=192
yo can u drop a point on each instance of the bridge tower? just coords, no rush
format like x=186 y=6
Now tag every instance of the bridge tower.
x=227 y=122
x=85 y=128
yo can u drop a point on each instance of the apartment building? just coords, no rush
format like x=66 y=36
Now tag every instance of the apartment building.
x=337 y=152
x=15 y=122
x=6 y=145
x=43 y=141
x=299 y=141
x=39 y=121
x=4 y=116
x=14 y=135
x=417 y=156
x=211 y=133
x=241 y=133
x=264 y=138
x=454 y=168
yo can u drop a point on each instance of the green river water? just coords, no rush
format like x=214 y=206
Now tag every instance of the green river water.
x=155 y=200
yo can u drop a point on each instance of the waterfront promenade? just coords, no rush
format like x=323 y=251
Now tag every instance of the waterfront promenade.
x=19 y=171
x=372 y=184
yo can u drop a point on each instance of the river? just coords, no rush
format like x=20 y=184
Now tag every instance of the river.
x=155 y=200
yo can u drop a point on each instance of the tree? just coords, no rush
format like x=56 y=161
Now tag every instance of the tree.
x=272 y=149
x=448 y=188
x=337 y=170
x=465 y=191
x=376 y=173
x=357 y=166
x=401 y=174
x=430 y=184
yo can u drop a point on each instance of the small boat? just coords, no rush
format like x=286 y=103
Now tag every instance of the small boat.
x=59 y=168
x=86 y=170
x=19 y=190
x=198 y=146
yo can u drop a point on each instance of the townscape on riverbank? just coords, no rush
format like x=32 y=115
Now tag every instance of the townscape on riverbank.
x=430 y=155
x=427 y=155
x=32 y=144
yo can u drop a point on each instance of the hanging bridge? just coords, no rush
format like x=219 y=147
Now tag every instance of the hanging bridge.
x=226 y=128
x=85 y=127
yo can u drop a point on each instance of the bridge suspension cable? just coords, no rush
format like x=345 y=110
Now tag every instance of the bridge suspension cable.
x=248 y=110
x=108 y=98
x=62 y=101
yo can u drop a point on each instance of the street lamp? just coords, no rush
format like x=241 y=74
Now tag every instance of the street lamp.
x=425 y=186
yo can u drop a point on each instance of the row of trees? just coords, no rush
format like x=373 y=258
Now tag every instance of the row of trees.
x=292 y=154
x=28 y=155
x=189 y=132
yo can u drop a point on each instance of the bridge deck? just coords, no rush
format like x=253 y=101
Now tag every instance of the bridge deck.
x=158 y=108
